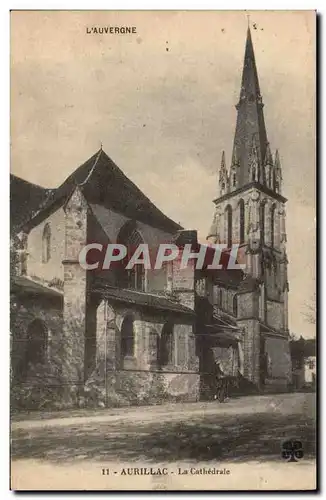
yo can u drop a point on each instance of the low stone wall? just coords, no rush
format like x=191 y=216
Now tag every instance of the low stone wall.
x=127 y=388
x=274 y=385
x=182 y=386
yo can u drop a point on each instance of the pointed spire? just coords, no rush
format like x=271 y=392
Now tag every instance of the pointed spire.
x=250 y=118
x=223 y=171
x=278 y=166
x=277 y=160
x=249 y=82
x=268 y=168
x=278 y=173
x=223 y=166
x=223 y=178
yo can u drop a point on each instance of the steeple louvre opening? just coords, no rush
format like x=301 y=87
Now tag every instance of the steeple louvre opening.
x=242 y=221
x=262 y=225
x=268 y=169
x=228 y=226
x=250 y=125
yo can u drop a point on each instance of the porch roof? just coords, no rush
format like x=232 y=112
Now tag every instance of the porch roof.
x=223 y=333
x=142 y=299
x=25 y=285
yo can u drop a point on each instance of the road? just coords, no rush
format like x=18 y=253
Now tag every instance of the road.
x=244 y=430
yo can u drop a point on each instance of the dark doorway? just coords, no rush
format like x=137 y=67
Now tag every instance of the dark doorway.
x=37 y=343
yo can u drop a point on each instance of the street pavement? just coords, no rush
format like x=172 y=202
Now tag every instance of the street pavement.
x=244 y=430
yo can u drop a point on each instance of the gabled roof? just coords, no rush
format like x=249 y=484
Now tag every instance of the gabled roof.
x=25 y=198
x=103 y=183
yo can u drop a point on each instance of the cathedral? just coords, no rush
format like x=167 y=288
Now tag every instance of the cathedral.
x=141 y=336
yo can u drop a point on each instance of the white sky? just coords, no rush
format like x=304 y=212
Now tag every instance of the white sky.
x=165 y=116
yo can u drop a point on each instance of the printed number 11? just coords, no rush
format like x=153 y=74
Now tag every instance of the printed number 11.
x=105 y=472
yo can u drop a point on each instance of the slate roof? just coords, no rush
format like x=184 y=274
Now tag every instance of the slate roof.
x=25 y=198
x=103 y=183
x=250 y=117
x=229 y=278
x=141 y=299
x=234 y=279
x=224 y=335
x=215 y=323
x=23 y=285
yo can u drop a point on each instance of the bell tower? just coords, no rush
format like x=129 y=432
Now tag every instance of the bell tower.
x=250 y=211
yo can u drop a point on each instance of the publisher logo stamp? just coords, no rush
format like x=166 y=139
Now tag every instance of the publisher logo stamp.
x=292 y=450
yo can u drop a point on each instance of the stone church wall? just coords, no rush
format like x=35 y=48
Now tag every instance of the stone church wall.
x=275 y=315
x=279 y=366
x=23 y=312
x=251 y=349
x=141 y=373
x=247 y=305
x=75 y=288
x=53 y=269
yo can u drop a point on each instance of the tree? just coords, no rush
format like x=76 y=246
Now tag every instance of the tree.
x=310 y=313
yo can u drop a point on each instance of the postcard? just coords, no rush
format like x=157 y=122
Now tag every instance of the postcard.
x=163 y=250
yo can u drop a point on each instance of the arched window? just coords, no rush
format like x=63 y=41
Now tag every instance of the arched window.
x=127 y=337
x=166 y=345
x=220 y=298
x=131 y=278
x=235 y=305
x=242 y=221
x=234 y=180
x=228 y=221
x=273 y=226
x=262 y=223
x=46 y=243
x=37 y=342
x=253 y=174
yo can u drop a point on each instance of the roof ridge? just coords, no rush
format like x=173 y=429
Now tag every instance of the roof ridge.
x=80 y=184
x=88 y=177
x=30 y=182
